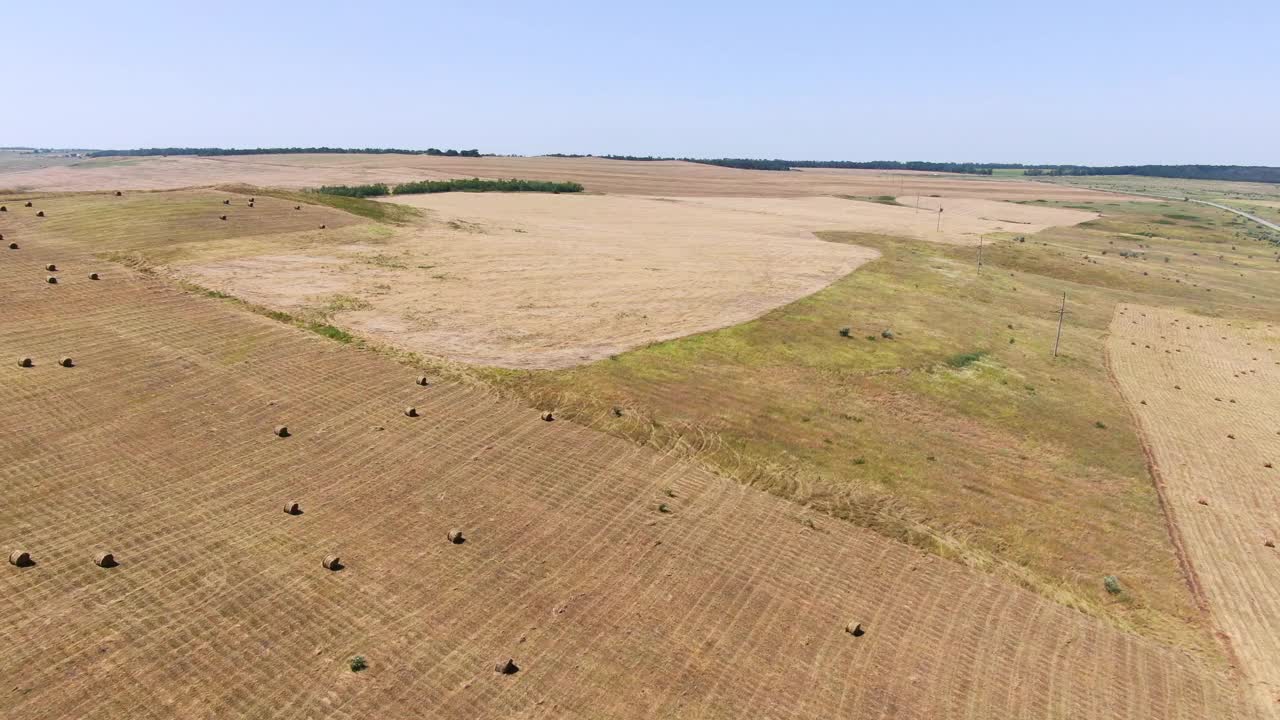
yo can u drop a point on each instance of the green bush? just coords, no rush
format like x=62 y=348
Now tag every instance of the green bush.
x=358 y=663
x=1112 y=584
x=965 y=359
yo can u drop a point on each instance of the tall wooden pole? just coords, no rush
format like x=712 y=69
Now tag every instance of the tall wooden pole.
x=1062 y=312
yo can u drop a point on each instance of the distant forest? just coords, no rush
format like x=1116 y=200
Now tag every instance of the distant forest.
x=282 y=151
x=1244 y=173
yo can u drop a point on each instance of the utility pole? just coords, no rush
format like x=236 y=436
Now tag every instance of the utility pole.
x=1061 y=314
x=939 y=218
x=979 y=254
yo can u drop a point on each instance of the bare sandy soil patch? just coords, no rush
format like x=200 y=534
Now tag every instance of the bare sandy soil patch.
x=1207 y=394
x=157 y=445
x=598 y=175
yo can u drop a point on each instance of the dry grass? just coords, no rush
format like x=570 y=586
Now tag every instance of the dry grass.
x=567 y=567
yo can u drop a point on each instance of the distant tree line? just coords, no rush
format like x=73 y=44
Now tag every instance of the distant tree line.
x=458 y=185
x=1243 y=173
x=785 y=165
x=282 y=151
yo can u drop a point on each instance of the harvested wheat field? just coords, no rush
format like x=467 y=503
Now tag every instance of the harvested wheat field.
x=1207 y=394
x=548 y=281
x=597 y=174
x=620 y=582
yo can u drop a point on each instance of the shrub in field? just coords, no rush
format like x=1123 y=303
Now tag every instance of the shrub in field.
x=1112 y=584
x=358 y=663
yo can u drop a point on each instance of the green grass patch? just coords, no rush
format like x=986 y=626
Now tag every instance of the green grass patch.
x=963 y=360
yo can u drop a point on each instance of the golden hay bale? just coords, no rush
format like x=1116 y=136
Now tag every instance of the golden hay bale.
x=252 y=199
x=66 y=362
x=411 y=412
x=226 y=202
x=548 y=415
x=292 y=508
x=855 y=629
x=40 y=213
x=3 y=208
x=24 y=362
x=423 y=380
x=13 y=246
x=93 y=276
x=104 y=559
x=281 y=431
x=456 y=537
x=222 y=217
x=297 y=207
x=506 y=666
x=28 y=204
x=321 y=227
x=118 y=193
x=51 y=280
x=51 y=267
x=20 y=558
x=332 y=562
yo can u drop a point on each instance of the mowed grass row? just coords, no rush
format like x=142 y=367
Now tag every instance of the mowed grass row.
x=961 y=434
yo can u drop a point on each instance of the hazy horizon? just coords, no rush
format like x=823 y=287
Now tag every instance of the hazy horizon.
x=1100 y=84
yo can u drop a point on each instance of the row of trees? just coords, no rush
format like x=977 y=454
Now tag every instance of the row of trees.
x=458 y=185
x=1244 y=173
x=280 y=151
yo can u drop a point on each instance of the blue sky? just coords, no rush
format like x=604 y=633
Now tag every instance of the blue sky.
x=1037 y=82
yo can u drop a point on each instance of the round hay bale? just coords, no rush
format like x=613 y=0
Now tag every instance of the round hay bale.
x=67 y=362
x=855 y=629
x=251 y=203
x=93 y=276
x=321 y=227
x=222 y=217
x=51 y=280
x=1268 y=543
x=20 y=558
x=506 y=666
x=39 y=213
x=226 y=202
x=423 y=381
x=292 y=508
x=3 y=208
x=281 y=431
x=118 y=193
x=28 y=204
x=104 y=559
x=51 y=267
x=332 y=562
x=24 y=362
x=456 y=537
x=411 y=412
x=297 y=207
x=13 y=246
x=253 y=199
x=548 y=415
